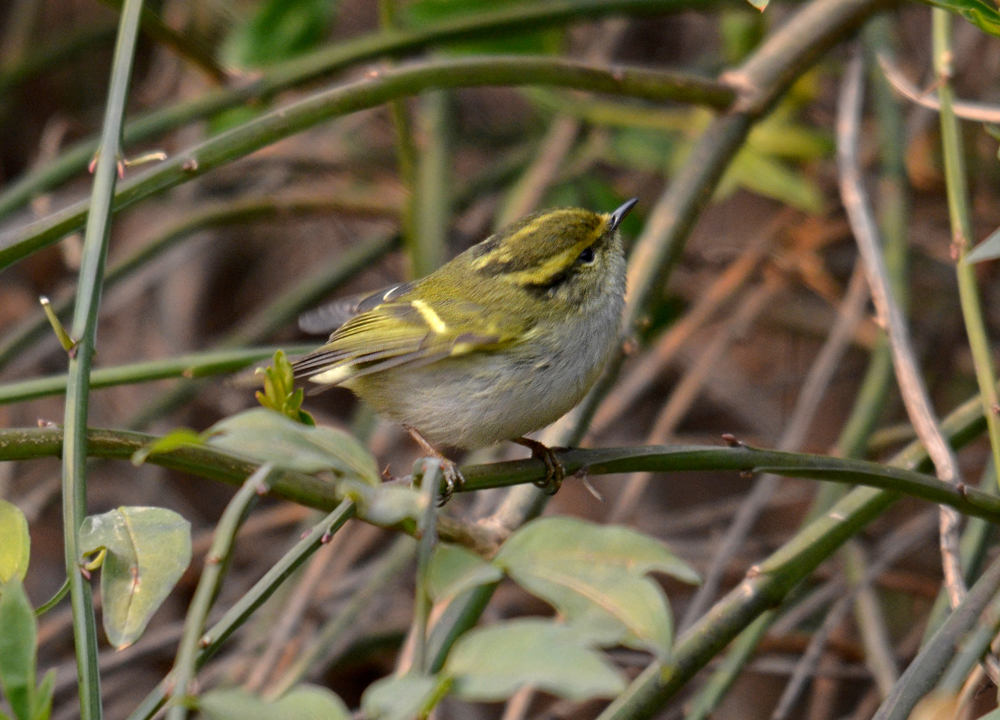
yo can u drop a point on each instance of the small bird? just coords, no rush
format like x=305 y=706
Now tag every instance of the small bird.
x=502 y=340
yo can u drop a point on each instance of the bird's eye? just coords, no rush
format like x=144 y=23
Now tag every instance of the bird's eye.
x=587 y=256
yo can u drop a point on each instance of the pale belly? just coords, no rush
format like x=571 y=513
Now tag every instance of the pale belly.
x=483 y=398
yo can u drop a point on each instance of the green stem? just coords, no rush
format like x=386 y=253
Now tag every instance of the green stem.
x=208 y=462
x=216 y=564
x=186 y=366
x=957 y=183
x=361 y=95
x=406 y=149
x=431 y=199
x=317 y=656
x=329 y=60
x=277 y=315
x=84 y=329
x=773 y=579
x=430 y=484
x=195 y=52
x=239 y=613
x=928 y=666
x=251 y=209
x=54 y=600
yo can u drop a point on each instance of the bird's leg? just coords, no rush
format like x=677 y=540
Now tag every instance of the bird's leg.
x=453 y=479
x=554 y=470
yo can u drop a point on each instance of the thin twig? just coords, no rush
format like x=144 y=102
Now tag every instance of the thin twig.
x=293 y=611
x=688 y=389
x=653 y=362
x=806 y=405
x=965 y=109
x=84 y=332
x=911 y=387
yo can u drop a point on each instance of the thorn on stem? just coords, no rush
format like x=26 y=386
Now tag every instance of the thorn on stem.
x=747 y=474
x=67 y=342
x=753 y=572
x=327 y=537
x=85 y=572
x=205 y=641
x=731 y=440
x=190 y=165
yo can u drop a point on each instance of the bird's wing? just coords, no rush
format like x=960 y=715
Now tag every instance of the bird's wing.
x=398 y=329
x=324 y=319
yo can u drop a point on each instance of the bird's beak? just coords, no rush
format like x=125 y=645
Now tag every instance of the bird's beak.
x=615 y=219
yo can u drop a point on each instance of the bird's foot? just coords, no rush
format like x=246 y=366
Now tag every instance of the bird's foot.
x=555 y=472
x=453 y=479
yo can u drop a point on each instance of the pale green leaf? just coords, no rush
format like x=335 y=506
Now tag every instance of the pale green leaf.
x=388 y=505
x=304 y=702
x=453 y=570
x=596 y=575
x=759 y=4
x=266 y=436
x=173 y=440
x=401 y=697
x=42 y=701
x=988 y=249
x=492 y=663
x=148 y=550
x=18 y=631
x=15 y=542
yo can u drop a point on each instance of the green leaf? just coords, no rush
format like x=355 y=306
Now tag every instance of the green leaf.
x=988 y=249
x=453 y=570
x=280 y=30
x=492 y=663
x=280 y=393
x=15 y=542
x=148 y=549
x=304 y=702
x=18 y=632
x=771 y=178
x=402 y=697
x=759 y=4
x=173 y=440
x=266 y=436
x=596 y=577
x=980 y=13
x=42 y=700
x=389 y=505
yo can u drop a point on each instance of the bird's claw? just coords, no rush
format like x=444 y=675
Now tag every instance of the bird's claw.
x=453 y=481
x=555 y=471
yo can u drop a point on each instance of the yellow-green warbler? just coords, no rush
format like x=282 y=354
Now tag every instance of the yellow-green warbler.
x=500 y=341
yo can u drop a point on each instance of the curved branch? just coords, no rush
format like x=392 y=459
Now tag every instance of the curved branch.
x=208 y=462
x=966 y=109
x=325 y=62
x=375 y=89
